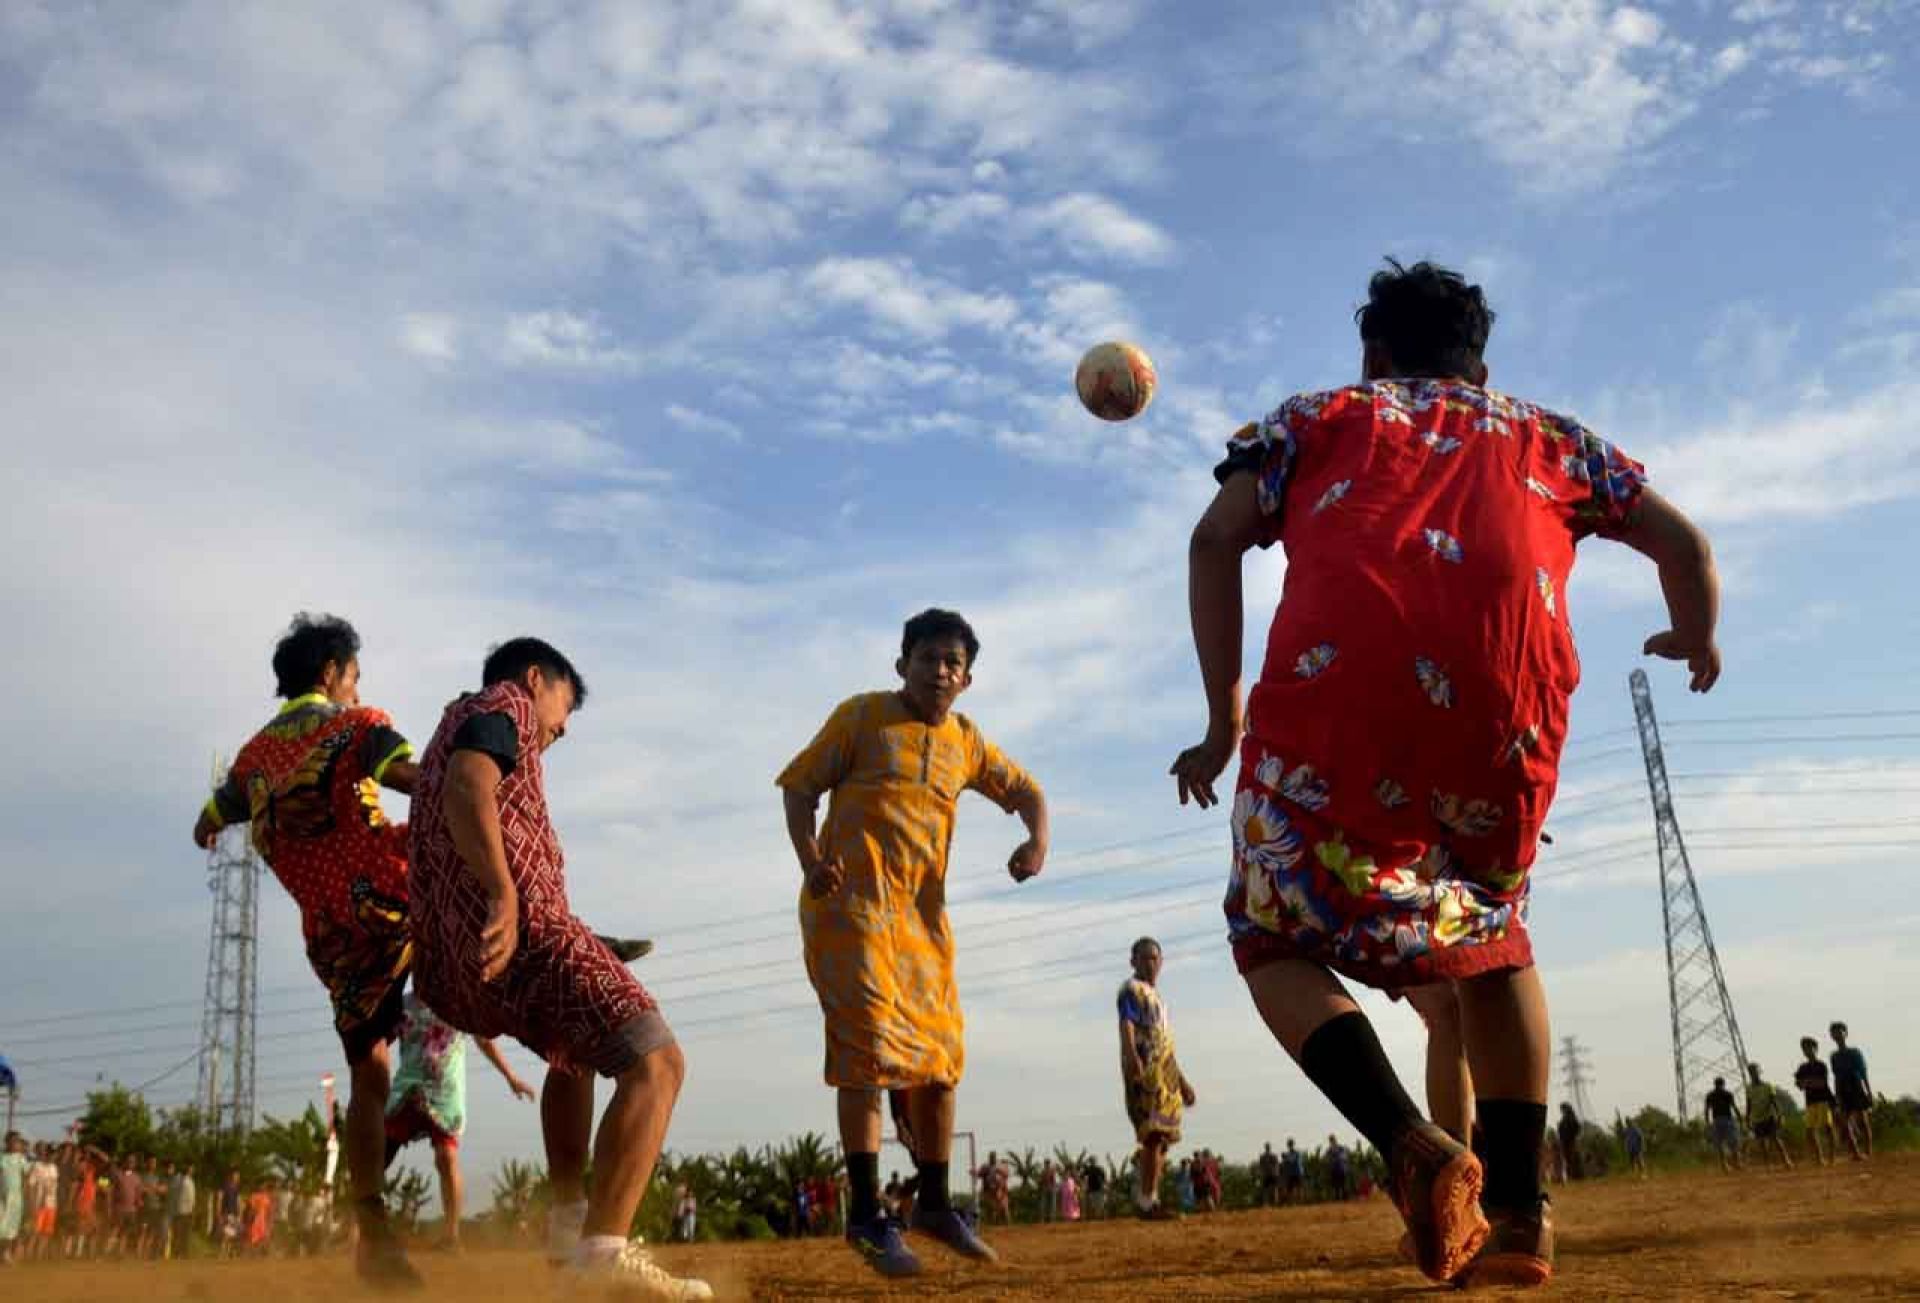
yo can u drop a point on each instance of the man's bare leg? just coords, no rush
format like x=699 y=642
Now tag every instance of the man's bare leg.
x=628 y=1143
x=1449 y=1083
x=446 y=1161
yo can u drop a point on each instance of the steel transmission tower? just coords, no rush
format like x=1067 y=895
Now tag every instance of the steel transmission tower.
x=1706 y=1036
x=1573 y=1066
x=229 y=1013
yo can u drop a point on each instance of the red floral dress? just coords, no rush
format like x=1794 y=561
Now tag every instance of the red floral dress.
x=1403 y=741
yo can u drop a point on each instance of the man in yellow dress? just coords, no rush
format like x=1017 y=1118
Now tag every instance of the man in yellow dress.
x=1157 y=1092
x=873 y=915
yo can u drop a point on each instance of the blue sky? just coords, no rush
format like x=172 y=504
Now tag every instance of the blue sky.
x=711 y=341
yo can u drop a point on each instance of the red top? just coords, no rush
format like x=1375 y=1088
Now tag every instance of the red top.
x=309 y=784
x=1421 y=659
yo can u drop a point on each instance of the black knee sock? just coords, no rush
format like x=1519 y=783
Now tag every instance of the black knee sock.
x=933 y=1195
x=1512 y=1131
x=863 y=1187
x=1344 y=1059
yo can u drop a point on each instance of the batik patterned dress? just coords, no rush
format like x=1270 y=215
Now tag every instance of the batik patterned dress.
x=563 y=993
x=308 y=785
x=1154 y=1102
x=1403 y=741
x=430 y=1080
x=879 y=951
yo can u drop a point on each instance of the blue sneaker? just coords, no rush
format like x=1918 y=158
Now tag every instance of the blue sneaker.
x=951 y=1229
x=879 y=1242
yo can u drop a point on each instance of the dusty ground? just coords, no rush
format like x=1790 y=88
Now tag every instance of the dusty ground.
x=1851 y=1231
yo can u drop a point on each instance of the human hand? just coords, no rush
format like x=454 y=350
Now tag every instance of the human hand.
x=826 y=877
x=1187 y=1094
x=1195 y=768
x=1028 y=858
x=1702 y=656
x=520 y=1089
x=500 y=935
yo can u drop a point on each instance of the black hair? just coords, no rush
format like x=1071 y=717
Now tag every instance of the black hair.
x=1718 y=1081
x=1837 y=1027
x=516 y=656
x=1429 y=320
x=936 y=623
x=310 y=644
x=1142 y=944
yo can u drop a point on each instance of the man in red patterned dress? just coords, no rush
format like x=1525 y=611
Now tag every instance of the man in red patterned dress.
x=501 y=953
x=309 y=784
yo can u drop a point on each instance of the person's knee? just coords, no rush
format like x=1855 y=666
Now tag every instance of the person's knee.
x=372 y=1076
x=662 y=1069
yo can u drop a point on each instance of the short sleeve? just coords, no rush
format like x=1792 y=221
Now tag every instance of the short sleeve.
x=381 y=745
x=1270 y=450
x=824 y=763
x=1608 y=483
x=229 y=803
x=1132 y=1008
x=493 y=734
x=997 y=778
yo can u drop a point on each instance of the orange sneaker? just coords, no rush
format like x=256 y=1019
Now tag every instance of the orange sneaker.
x=1519 y=1251
x=1435 y=1182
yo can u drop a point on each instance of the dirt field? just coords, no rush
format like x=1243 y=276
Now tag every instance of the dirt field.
x=1851 y=1231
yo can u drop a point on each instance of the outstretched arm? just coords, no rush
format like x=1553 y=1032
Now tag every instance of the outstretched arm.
x=1661 y=533
x=499 y=1061
x=1232 y=524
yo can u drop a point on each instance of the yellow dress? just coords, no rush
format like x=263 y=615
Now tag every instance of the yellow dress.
x=879 y=951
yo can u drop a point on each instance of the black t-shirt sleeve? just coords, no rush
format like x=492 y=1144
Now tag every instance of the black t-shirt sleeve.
x=380 y=746
x=229 y=803
x=491 y=734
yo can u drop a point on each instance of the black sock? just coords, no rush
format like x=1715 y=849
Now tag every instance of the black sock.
x=1512 y=1131
x=933 y=1187
x=1344 y=1059
x=863 y=1188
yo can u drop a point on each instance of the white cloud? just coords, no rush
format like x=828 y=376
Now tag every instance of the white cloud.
x=563 y=340
x=977 y=212
x=431 y=335
x=695 y=421
x=895 y=294
x=1090 y=225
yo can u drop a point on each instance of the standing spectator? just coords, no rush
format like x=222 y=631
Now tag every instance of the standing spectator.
x=1069 y=1196
x=1267 y=1167
x=1183 y=1185
x=1815 y=1089
x=282 y=1208
x=1856 y=1094
x=183 y=1201
x=1569 y=1131
x=123 y=1236
x=1723 y=1125
x=228 y=1211
x=1339 y=1173
x=1049 y=1192
x=996 y=1191
x=686 y=1214
x=1635 y=1141
x=88 y=1163
x=1763 y=1117
x=1293 y=1172
x=43 y=1203
x=260 y=1221
x=1553 y=1159
x=13 y=1194
x=1094 y=1180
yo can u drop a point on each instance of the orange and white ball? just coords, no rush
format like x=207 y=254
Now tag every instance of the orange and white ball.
x=1115 y=380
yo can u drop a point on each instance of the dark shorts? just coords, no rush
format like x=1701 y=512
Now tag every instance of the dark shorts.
x=364 y=966
x=1854 y=1098
x=1766 y=1128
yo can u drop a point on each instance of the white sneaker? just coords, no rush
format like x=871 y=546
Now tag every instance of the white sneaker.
x=565 y=1223
x=632 y=1273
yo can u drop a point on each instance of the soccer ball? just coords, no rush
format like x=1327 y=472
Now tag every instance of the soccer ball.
x=1116 y=380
